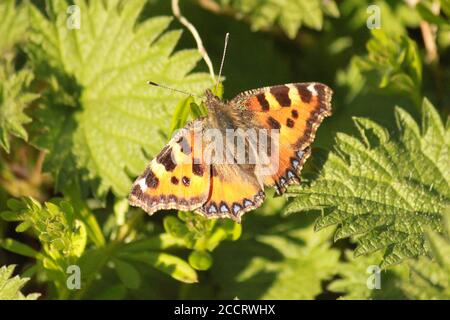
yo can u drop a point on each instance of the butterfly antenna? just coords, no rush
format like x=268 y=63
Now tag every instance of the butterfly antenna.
x=171 y=89
x=223 y=59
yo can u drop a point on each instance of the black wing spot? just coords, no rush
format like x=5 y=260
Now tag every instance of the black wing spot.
x=167 y=159
x=304 y=93
x=186 y=181
x=263 y=101
x=290 y=123
x=281 y=94
x=151 y=180
x=274 y=124
x=197 y=167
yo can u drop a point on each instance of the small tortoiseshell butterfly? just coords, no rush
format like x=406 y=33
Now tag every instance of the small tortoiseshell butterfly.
x=183 y=177
x=175 y=179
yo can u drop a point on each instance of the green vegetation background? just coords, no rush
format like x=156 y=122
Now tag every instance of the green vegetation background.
x=78 y=122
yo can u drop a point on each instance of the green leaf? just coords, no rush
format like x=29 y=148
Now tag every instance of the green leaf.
x=84 y=213
x=276 y=258
x=181 y=114
x=428 y=15
x=396 y=16
x=175 y=227
x=14 y=97
x=446 y=7
x=19 y=248
x=200 y=260
x=10 y=288
x=159 y=242
x=430 y=276
x=386 y=190
x=330 y=8
x=114 y=292
x=128 y=274
x=356 y=273
x=13 y=25
x=13 y=100
x=289 y=14
x=104 y=113
x=176 y=267
x=393 y=64
x=200 y=233
x=62 y=237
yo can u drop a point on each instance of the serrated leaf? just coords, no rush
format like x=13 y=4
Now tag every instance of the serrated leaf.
x=10 y=287
x=276 y=258
x=385 y=189
x=14 y=97
x=393 y=64
x=290 y=15
x=115 y=119
x=430 y=276
x=62 y=237
x=13 y=25
x=357 y=277
x=13 y=100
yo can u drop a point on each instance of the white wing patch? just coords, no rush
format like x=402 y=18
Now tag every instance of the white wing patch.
x=142 y=184
x=312 y=89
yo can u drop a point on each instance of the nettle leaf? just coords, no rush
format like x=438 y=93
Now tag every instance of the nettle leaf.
x=392 y=64
x=394 y=16
x=426 y=12
x=13 y=26
x=13 y=100
x=14 y=97
x=290 y=15
x=430 y=276
x=108 y=119
x=300 y=271
x=62 y=237
x=384 y=190
x=391 y=68
x=275 y=258
x=362 y=278
x=10 y=287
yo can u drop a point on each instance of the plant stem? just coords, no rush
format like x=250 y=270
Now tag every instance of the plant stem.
x=177 y=13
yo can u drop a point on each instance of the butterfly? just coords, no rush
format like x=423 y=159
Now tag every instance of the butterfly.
x=180 y=177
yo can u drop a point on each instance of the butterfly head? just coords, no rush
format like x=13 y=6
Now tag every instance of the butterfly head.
x=212 y=101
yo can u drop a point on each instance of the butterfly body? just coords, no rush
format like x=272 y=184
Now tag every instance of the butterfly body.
x=227 y=115
x=192 y=173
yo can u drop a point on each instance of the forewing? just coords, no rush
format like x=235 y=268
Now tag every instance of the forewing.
x=177 y=178
x=296 y=110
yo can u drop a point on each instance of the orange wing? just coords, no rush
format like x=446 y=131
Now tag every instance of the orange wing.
x=177 y=178
x=296 y=110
